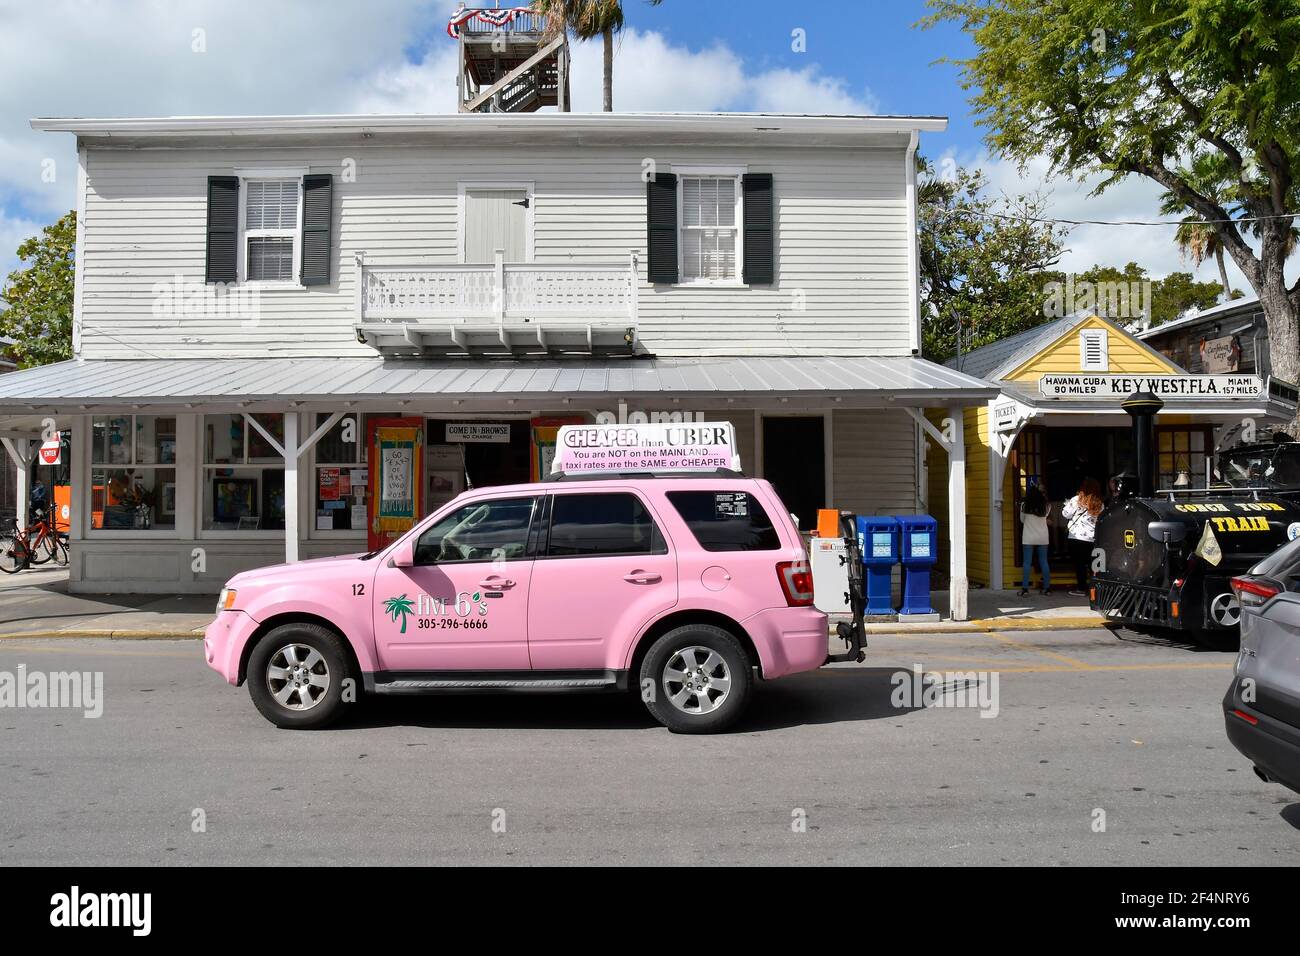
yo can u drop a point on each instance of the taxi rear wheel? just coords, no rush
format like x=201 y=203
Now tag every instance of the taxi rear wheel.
x=696 y=679
x=297 y=676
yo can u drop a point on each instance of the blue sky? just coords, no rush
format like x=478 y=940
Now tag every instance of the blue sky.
x=142 y=58
x=871 y=44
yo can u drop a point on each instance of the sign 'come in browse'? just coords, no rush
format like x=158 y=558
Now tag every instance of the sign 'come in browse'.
x=1120 y=387
x=667 y=447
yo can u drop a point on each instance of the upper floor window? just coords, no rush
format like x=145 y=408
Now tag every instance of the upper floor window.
x=271 y=229
x=710 y=228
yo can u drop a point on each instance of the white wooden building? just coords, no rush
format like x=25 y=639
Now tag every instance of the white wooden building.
x=250 y=290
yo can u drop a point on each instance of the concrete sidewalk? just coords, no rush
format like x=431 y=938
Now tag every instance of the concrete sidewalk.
x=36 y=603
x=988 y=610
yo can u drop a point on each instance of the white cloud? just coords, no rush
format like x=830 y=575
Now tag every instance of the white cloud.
x=1134 y=199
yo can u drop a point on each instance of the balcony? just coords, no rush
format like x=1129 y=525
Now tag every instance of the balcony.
x=499 y=308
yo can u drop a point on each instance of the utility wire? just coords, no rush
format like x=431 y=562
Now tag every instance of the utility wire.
x=1124 y=222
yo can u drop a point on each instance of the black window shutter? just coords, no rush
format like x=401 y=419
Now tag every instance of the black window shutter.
x=317 y=196
x=661 y=219
x=223 y=227
x=759 y=244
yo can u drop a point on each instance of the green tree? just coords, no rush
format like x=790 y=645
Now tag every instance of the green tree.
x=586 y=20
x=38 y=296
x=1144 y=300
x=1179 y=292
x=1136 y=87
x=1198 y=240
x=982 y=260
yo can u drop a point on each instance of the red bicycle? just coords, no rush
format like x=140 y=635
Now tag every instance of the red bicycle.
x=38 y=543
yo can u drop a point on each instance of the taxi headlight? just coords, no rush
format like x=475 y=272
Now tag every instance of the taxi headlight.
x=226 y=599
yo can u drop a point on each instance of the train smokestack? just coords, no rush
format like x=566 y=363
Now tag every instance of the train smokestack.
x=1142 y=408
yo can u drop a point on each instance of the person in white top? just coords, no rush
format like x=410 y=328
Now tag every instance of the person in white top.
x=1034 y=510
x=1081 y=512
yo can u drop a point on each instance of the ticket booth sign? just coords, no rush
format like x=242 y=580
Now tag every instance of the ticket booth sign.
x=660 y=447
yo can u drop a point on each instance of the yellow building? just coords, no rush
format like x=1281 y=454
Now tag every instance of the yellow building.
x=1057 y=420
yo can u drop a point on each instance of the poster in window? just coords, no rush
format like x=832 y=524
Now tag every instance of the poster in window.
x=329 y=484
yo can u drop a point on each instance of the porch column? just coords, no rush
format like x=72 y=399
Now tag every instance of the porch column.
x=292 y=450
x=291 y=487
x=21 y=452
x=957 y=584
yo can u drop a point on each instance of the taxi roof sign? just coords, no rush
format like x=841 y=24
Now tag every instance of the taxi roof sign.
x=661 y=447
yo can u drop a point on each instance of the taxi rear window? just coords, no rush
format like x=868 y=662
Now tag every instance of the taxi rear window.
x=726 y=520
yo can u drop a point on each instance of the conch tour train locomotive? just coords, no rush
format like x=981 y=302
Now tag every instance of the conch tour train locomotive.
x=1167 y=555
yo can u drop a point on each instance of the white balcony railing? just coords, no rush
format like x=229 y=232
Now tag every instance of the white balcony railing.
x=500 y=292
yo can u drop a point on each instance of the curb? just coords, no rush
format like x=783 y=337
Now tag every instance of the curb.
x=989 y=624
x=119 y=635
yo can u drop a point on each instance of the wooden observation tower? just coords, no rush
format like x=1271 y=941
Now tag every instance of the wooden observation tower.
x=507 y=64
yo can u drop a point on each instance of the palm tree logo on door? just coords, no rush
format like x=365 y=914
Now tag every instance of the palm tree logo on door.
x=399 y=607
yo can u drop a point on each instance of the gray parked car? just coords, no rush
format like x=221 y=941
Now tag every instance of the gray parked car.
x=1262 y=707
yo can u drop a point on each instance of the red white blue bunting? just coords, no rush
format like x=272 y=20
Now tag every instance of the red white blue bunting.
x=495 y=18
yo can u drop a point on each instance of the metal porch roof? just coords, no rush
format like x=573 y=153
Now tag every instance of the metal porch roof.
x=74 y=386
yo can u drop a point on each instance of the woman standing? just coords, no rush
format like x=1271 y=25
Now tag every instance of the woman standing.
x=1081 y=512
x=1033 y=538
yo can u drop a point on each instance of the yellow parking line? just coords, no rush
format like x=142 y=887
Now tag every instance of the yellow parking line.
x=1048 y=669
x=1074 y=663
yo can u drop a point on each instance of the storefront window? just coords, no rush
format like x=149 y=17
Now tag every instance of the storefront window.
x=132 y=473
x=243 y=474
x=341 y=479
x=1181 y=457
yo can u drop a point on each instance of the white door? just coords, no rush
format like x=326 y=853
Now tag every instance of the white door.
x=496 y=219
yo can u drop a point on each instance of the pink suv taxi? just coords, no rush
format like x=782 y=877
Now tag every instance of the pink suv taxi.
x=676 y=588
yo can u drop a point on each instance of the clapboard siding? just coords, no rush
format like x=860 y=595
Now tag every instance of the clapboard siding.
x=874 y=464
x=841 y=246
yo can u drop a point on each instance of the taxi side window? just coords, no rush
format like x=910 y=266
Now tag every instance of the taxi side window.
x=602 y=524
x=494 y=530
x=726 y=520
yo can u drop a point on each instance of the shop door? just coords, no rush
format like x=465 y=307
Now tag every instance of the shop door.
x=496 y=219
x=794 y=461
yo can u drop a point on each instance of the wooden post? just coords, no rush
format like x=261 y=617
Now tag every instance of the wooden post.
x=290 y=486
x=957 y=583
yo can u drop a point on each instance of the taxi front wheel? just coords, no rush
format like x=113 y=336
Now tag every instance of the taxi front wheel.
x=297 y=675
x=696 y=679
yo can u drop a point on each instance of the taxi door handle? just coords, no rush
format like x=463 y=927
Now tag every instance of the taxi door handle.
x=496 y=584
x=642 y=577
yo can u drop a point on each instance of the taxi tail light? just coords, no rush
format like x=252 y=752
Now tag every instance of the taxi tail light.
x=796 y=582
x=1253 y=592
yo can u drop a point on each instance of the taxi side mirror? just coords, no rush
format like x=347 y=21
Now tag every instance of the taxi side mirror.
x=403 y=555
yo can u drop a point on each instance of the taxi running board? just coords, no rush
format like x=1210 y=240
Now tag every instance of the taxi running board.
x=434 y=684
x=852 y=632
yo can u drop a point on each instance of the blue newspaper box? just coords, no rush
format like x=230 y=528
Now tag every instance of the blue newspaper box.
x=918 y=544
x=878 y=541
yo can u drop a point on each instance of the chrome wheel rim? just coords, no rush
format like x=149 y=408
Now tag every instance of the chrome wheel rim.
x=696 y=680
x=297 y=677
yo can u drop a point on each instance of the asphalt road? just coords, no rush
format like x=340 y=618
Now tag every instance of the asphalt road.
x=1085 y=721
